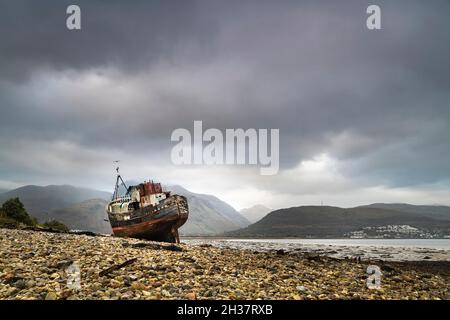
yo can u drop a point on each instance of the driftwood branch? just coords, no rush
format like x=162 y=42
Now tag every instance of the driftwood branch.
x=116 y=267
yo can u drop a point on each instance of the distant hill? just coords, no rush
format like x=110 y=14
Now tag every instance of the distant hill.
x=40 y=200
x=86 y=215
x=331 y=222
x=438 y=212
x=208 y=215
x=255 y=213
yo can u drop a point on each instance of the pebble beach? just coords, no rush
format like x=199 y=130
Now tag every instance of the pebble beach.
x=53 y=266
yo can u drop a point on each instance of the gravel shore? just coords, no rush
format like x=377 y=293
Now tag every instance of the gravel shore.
x=41 y=265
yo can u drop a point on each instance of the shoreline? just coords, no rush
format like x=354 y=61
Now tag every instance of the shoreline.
x=33 y=265
x=297 y=238
x=340 y=250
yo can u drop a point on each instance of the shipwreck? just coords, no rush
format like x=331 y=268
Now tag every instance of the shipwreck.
x=146 y=211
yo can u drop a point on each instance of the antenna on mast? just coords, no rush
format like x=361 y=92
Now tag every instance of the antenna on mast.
x=118 y=178
x=117 y=168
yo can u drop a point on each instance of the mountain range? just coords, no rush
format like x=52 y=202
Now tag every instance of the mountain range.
x=39 y=200
x=208 y=215
x=255 y=213
x=376 y=220
x=78 y=208
x=84 y=209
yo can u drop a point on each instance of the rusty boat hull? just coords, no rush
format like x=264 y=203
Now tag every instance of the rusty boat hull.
x=157 y=223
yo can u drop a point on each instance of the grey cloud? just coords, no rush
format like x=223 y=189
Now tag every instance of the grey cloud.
x=34 y=34
x=376 y=101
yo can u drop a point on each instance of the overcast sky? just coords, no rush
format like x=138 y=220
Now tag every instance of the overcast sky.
x=364 y=116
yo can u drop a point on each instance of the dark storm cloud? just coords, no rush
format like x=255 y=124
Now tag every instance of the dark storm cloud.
x=375 y=100
x=113 y=33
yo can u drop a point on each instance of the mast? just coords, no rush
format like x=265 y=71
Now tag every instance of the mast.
x=119 y=181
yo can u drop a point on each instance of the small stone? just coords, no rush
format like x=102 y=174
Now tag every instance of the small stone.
x=165 y=293
x=8 y=276
x=11 y=291
x=146 y=293
x=20 y=284
x=51 y=296
x=301 y=288
x=138 y=286
x=64 y=264
x=186 y=286
x=208 y=293
x=31 y=283
x=127 y=295
x=191 y=296
x=115 y=283
x=66 y=293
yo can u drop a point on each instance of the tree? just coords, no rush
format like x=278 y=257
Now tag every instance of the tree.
x=14 y=209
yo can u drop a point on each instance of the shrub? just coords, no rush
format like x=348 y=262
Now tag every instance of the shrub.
x=14 y=209
x=56 y=225
x=6 y=222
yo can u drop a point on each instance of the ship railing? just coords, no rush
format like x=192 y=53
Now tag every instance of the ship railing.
x=121 y=199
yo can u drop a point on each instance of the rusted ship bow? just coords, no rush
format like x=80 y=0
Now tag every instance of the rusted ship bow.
x=146 y=211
